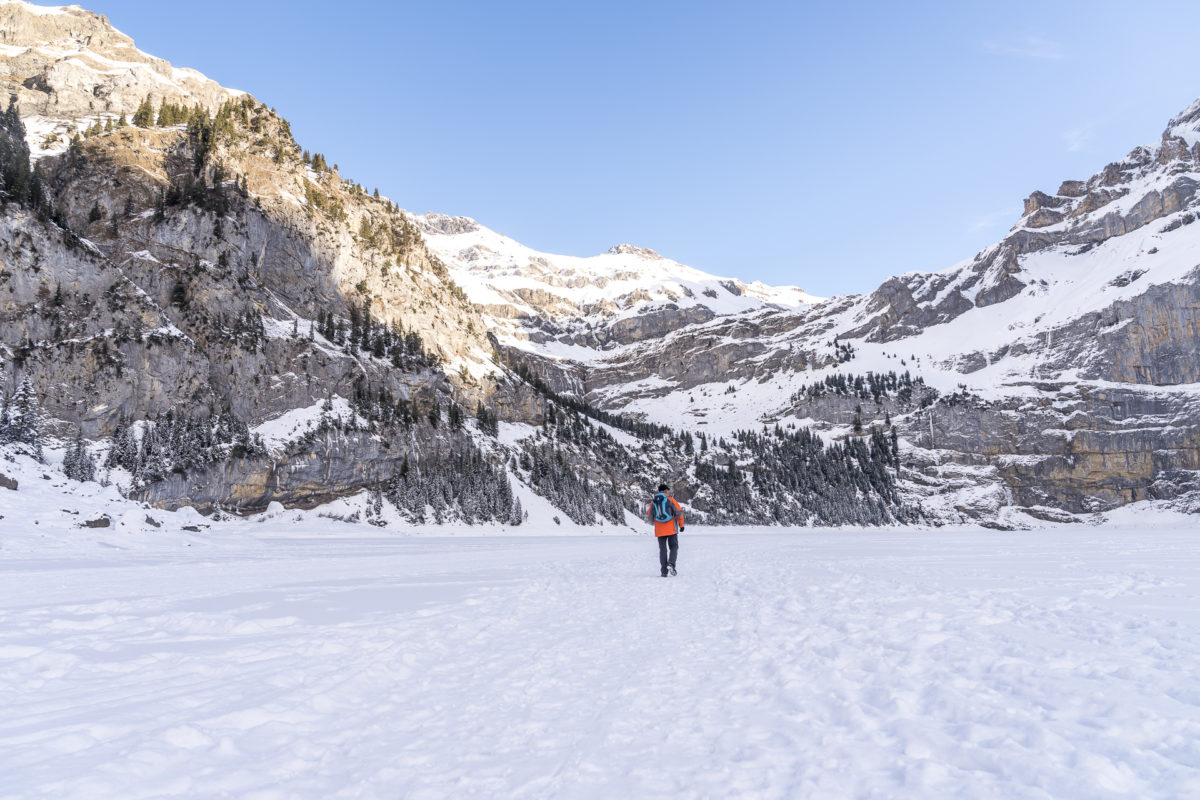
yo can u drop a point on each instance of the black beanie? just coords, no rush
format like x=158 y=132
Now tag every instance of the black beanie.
x=662 y=487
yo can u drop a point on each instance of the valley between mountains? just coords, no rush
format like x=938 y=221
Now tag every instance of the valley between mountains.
x=197 y=311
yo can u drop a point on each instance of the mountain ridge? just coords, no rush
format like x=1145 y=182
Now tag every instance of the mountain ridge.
x=612 y=299
x=243 y=280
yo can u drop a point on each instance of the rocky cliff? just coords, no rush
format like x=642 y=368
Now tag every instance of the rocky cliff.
x=209 y=266
x=66 y=63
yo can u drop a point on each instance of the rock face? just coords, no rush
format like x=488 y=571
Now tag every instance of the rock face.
x=330 y=467
x=175 y=291
x=185 y=271
x=628 y=249
x=1087 y=450
x=48 y=287
x=1152 y=338
x=68 y=63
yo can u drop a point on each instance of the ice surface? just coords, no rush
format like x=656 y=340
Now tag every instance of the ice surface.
x=293 y=661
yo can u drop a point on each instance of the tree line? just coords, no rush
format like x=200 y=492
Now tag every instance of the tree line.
x=873 y=386
x=20 y=182
x=179 y=444
x=463 y=486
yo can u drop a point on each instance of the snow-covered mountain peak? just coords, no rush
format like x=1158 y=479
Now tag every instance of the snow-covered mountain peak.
x=1186 y=124
x=629 y=249
x=445 y=224
x=1122 y=186
x=623 y=295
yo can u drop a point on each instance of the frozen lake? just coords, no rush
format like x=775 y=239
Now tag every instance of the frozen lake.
x=822 y=664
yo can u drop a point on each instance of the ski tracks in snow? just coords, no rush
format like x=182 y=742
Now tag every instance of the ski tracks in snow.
x=781 y=665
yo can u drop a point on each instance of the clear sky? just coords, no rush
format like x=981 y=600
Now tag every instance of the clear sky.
x=827 y=145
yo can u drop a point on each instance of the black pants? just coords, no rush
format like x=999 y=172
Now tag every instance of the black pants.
x=664 y=542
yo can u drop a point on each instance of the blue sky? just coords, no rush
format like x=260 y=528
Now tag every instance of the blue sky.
x=827 y=145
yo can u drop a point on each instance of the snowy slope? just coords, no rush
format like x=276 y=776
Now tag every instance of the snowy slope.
x=511 y=280
x=819 y=664
x=294 y=654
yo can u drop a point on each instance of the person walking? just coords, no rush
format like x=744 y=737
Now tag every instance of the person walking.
x=667 y=517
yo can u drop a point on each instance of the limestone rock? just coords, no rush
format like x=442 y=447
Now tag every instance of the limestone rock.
x=1044 y=217
x=644 y=252
x=441 y=223
x=1072 y=189
x=1039 y=200
x=68 y=63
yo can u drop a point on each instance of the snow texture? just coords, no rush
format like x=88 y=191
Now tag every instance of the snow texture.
x=494 y=271
x=279 y=432
x=292 y=657
x=1064 y=285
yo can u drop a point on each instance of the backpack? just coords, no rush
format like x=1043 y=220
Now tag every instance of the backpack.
x=663 y=509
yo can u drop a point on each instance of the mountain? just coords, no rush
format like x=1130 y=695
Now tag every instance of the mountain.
x=173 y=265
x=1064 y=358
x=64 y=63
x=601 y=303
x=199 y=310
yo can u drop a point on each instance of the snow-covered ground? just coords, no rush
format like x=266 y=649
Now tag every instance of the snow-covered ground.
x=270 y=660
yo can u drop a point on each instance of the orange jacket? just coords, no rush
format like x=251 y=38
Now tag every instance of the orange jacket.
x=666 y=528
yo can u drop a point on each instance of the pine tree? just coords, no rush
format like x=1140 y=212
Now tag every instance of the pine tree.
x=78 y=463
x=24 y=418
x=16 y=175
x=166 y=115
x=488 y=422
x=144 y=116
x=71 y=461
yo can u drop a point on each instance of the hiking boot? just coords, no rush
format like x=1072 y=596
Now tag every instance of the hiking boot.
x=671 y=567
x=664 y=574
